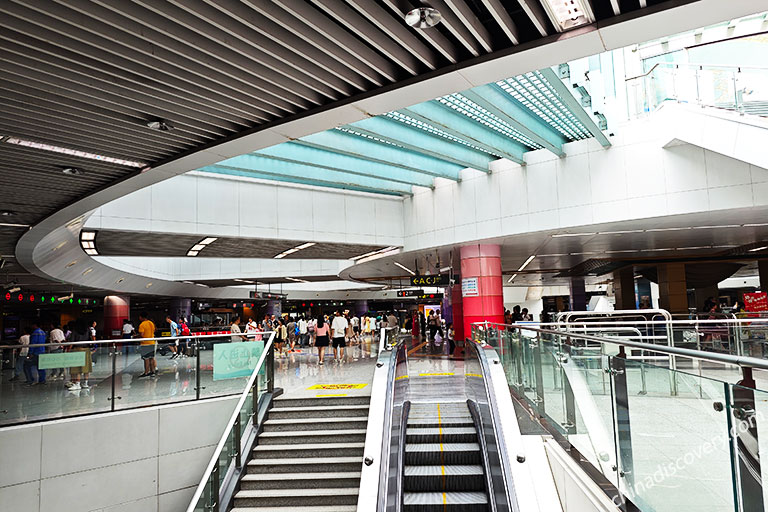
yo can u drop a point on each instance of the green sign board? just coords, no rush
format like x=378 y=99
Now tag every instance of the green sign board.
x=61 y=360
x=232 y=360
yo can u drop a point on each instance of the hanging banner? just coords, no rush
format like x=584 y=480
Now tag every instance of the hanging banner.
x=233 y=360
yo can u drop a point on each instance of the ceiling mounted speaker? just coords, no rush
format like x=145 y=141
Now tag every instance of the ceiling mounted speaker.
x=423 y=17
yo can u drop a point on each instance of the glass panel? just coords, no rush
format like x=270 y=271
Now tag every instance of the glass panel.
x=50 y=396
x=174 y=379
x=749 y=413
x=678 y=457
x=205 y=502
x=225 y=366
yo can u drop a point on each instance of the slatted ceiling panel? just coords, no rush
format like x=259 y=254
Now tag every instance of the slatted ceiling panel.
x=218 y=283
x=135 y=243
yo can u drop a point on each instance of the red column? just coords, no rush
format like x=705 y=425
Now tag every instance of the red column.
x=116 y=308
x=481 y=266
x=457 y=309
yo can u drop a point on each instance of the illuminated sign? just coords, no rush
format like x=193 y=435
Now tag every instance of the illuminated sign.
x=441 y=280
x=409 y=293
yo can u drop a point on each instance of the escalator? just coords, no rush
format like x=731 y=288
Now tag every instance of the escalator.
x=442 y=448
x=443 y=468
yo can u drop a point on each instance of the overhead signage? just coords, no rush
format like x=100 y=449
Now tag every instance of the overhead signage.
x=757 y=301
x=469 y=287
x=267 y=295
x=441 y=280
x=233 y=360
x=409 y=293
x=72 y=359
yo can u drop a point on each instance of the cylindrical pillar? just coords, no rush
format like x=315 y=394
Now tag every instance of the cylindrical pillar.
x=482 y=288
x=624 y=288
x=673 y=290
x=457 y=312
x=116 y=309
x=578 y=294
x=275 y=307
x=180 y=308
x=361 y=307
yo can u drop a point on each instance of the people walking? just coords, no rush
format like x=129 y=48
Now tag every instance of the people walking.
x=148 y=345
x=174 y=346
x=321 y=339
x=31 y=366
x=79 y=374
x=339 y=331
x=21 y=356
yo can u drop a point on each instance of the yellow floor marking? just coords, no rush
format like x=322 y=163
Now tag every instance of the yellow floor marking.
x=401 y=377
x=473 y=375
x=337 y=394
x=337 y=386
x=417 y=347
x=442 y=457
x=435 y=374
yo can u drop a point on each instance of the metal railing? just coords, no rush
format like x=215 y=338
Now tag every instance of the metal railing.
x=631 y=428
x=219 y=482
x=112 y=374
x=742 y=89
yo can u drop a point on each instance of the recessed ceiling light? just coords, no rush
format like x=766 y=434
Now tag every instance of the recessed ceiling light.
x=88 y=271
x=198 y=247
x=149 y=285
x=72 y=171
x=92 y=252
x=120 y=280
x=71 y=263
x=192 y=253
x=87 y=235
x=304 y=246
x=210 y=239
x=530 y=259
x=423 y=17
x=512 y=278
x=7 y=213
x=759 y=248
x=160 y=125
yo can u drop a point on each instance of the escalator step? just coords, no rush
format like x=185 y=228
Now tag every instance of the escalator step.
x=441 y=435
x=444 y=478
x=444 y=501
x=442 y=453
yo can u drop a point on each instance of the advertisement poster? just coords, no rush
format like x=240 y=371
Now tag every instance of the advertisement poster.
x=757 y=301
x=233 y=360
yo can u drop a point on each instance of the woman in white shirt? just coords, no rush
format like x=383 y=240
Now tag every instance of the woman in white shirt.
x=18 y=369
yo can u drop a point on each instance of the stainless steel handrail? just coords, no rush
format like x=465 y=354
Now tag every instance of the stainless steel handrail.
x=131 y=340
x=230 y=424
x=751 y=362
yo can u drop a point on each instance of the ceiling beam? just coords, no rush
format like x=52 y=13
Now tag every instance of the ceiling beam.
x=501 y=104
x=306 y=176
x=574 y=106
x=361 y=147
x=292 y=151
x=502 y=17
x=455 y=26
x=422 y=141
x=447 y=119
x=470 y=21
x=536 y=14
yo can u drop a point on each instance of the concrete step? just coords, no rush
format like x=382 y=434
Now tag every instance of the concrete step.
x=444 y=478
x=445 y=501
x=289 y=425
x=430 y=454
x=304 y=465
x=296 y=497
x=312 y=437
x=293 y=451
x=441 y=434
x=316 y=402
x=304 y=413
x=300 y=480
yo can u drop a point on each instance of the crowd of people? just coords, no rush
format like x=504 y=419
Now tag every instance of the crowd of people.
x=33 y=344
x=517 y=315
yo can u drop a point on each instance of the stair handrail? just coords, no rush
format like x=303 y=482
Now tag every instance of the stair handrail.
x=213 y=463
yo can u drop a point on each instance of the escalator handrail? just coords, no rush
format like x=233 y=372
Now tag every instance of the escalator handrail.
x=496 y=426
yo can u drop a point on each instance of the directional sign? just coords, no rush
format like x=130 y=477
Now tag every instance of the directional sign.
x=441 y=280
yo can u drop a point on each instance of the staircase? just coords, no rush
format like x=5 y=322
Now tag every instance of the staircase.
x=443 y=464
x=308 y=458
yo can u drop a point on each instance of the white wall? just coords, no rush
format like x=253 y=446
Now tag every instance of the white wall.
x=145 y=460
x=635 y=178
x=219 y=205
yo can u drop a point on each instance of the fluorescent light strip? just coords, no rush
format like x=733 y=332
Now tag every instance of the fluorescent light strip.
x=192 y=253
x=87 y=235
x=296 y=280
x=295 y=249
x=404 y=268
x=372 y=253
x=198 y=247
x=759 y=248
x=378 y=255
x=92 y=252
x=511 y=278
x=244 y=281
x=563 y=235
x=73 y=152
x=209 y=240
x=13 y=225
x=530 y=259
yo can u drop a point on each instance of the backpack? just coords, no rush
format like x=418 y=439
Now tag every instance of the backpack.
x=296 y=330
x=184 y=329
